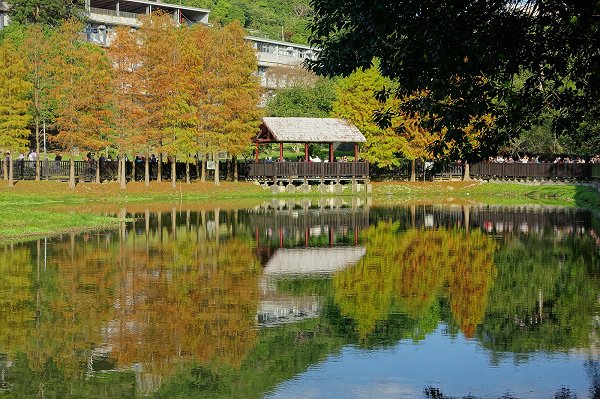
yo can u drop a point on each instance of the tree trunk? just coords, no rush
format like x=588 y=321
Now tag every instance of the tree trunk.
x=467 y=175
x=198 y=166
x=10 y=171
x=216 y=160
x=147 y=169
x=5 y=167
x=72 y=170
x=119 y=168
x=235 y=167
x=159 y=169
x=98 y=170
x=202 y=167
x=38 y=172
x=174 y=172
x=413 y=171
x=187 y=170
x=123 y=173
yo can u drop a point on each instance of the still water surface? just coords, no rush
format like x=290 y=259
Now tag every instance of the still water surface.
x=308 y=300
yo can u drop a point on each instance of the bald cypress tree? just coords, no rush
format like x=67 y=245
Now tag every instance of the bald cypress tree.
x=14 y=103
x=81 y=92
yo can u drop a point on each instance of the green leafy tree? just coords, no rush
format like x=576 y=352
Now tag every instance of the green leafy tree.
x=469 y=74
x=356 y=102
x=46 y=12
x=14 y=104
x=308 y=100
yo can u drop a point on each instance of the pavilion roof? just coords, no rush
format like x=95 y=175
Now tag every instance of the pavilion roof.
x=311 y=130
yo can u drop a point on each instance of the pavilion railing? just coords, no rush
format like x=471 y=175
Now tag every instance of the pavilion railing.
x=307 y=170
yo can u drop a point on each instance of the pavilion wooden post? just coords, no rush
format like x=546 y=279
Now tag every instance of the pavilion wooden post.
x=355 y=152
x=330 y=152
x=305 y=152
x=280 y=152
x=256 y=151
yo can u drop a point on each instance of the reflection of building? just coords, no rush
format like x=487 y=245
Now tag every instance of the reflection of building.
x=3 y=16
x=312 y=261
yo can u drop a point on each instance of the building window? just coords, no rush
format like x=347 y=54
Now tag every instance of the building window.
x=262 y=71
x=287 y=51
x=265 y=47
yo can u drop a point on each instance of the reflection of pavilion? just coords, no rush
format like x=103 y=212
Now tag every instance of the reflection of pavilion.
x=307 y=224
x=312 y=261
x=303 y=240
x=295 y=264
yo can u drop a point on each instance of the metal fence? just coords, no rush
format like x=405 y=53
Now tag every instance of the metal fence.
x=86 y=171
x=272 y=171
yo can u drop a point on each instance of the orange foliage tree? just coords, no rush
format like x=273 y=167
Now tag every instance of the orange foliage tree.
x=161 y=70
x=130 y=117
x=222 y=91
x=81 y=92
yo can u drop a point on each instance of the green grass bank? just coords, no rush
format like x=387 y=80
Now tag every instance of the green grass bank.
x=41 y=208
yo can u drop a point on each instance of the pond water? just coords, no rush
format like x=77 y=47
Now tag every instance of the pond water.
x=308 y=300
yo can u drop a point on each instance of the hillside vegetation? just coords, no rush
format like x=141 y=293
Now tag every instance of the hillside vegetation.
x=273 y=19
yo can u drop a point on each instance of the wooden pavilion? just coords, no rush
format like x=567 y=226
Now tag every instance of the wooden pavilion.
x=308 y=131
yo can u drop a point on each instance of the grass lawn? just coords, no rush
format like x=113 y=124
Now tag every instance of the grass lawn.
x=42 y=208
x=581 y=196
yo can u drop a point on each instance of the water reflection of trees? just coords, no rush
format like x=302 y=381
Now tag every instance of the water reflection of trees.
x=545 y=296
x=61 y=305
x=148 y=301
x=172 y=303
x=186 y=302
x=406 y=272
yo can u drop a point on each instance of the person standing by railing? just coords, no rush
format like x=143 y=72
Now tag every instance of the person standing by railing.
x=6 y=165
x=21 y=163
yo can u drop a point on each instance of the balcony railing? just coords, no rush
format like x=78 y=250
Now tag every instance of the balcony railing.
x=114 y=13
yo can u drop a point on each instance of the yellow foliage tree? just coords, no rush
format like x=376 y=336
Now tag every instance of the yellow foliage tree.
x=412 y=269
x=14 y=105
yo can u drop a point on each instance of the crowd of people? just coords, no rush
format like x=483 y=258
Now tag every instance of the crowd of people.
x=537 y=159
x=316 y=158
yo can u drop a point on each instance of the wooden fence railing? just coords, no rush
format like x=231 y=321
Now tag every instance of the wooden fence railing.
x=581 y=171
